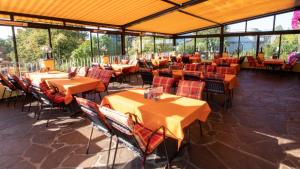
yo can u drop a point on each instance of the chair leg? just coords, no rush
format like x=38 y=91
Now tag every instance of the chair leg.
x=201 y=130
x=40 y=110
x=115 y=154
x=107 y=163
x=23 y=102
x=166 y=153
x=88 y=146
x=9 y=98
x=49 y=114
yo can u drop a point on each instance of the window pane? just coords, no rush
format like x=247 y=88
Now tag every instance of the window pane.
x=163 y=45
x=285 y=21
x=148 y=45
x=210 y=31
x=189 y=45
x=237 y=27
x=7 y=55
x=231 y=45
x=269 y=45
x=248 y=45
x=188 y=34
x=180 y=45
x=96 y=48
x=31 y=45
x=132 y=45
x=70 y=44
x=113 y=45
x=201 y=47
x=289 y=43
x=262 y=24
x=213 y=47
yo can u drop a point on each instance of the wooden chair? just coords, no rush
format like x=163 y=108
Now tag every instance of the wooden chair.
x=139 y=139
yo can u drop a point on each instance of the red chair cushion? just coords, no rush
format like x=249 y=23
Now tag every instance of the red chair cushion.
x=142 y=136
x=191 y=89
x=165 y=82
x=226 y=70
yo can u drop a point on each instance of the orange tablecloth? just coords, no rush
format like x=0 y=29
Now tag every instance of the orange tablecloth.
x=121 y=67
x=37 y=77
x=230 y=79
x=173 y=112
x=75 y=86
x=235 y=65
x=274 y=61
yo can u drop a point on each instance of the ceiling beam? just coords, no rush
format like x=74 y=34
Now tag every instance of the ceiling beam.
x=166 y=11
x=199 y=17
x=60 y=19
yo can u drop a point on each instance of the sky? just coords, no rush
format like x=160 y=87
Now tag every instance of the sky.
x=283 y=19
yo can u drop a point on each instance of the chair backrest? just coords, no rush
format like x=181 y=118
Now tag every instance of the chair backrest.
x=165 y=82
x=191 y=89
x=20 y=84
x=192 y=67
x=185 y=59
x=147 y=75
x=6 y=82
x=83 y=71
x=105 y=76
x=210 y=68
x=194 y=75
x=72 y=70
x=91 y=110
x=94 y=73
x=214 y=85
x=165 y=72
x=210 y=75
x=177 y=66
x=226 y=70
x=122 y=126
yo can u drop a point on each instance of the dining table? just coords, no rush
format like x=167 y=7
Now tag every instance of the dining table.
x=37 y=77
x=173 y=112
x=273 y=64
x=76 y=85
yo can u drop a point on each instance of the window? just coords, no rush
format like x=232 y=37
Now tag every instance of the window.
x=269 y=45
x=96 y=45
x=210 y=31
x=201 y=47
x=69 y=44
x=163 y=45
x=231 y=45
x=6 y=50
x=180 y=45
x=262 y=24
x=147 y=45
x=213 y=45
x=285 y=21
x=189 y=34
x=31 y=46
x=114 y=45
x=237 y=27
x=289 y=44
x=189 y=45
x=132 y=46
x=247 y=46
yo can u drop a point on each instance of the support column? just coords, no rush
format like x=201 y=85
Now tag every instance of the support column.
x=15 y=47
x=123 y=42
x=222 y=41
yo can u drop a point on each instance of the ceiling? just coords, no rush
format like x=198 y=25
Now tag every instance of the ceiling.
x=161 y=16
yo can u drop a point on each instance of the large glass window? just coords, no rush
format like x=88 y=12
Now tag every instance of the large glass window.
x=201 y=47
x=248 y=45
x=213 y=45
x=31 y=45
x=289 y=43
x=163 y=45
x=237 y=27
x=68 y=44
x=96 y=45
x=262 y=24
x=132 y=46
x=231 y=45
x=6 y=50
x=180 y=46
x=210 y=31
x=269 y=45
x=189 y=45
x=148 y=45
x=285 y=21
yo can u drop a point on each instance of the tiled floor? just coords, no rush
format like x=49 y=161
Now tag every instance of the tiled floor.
x=260 y=131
